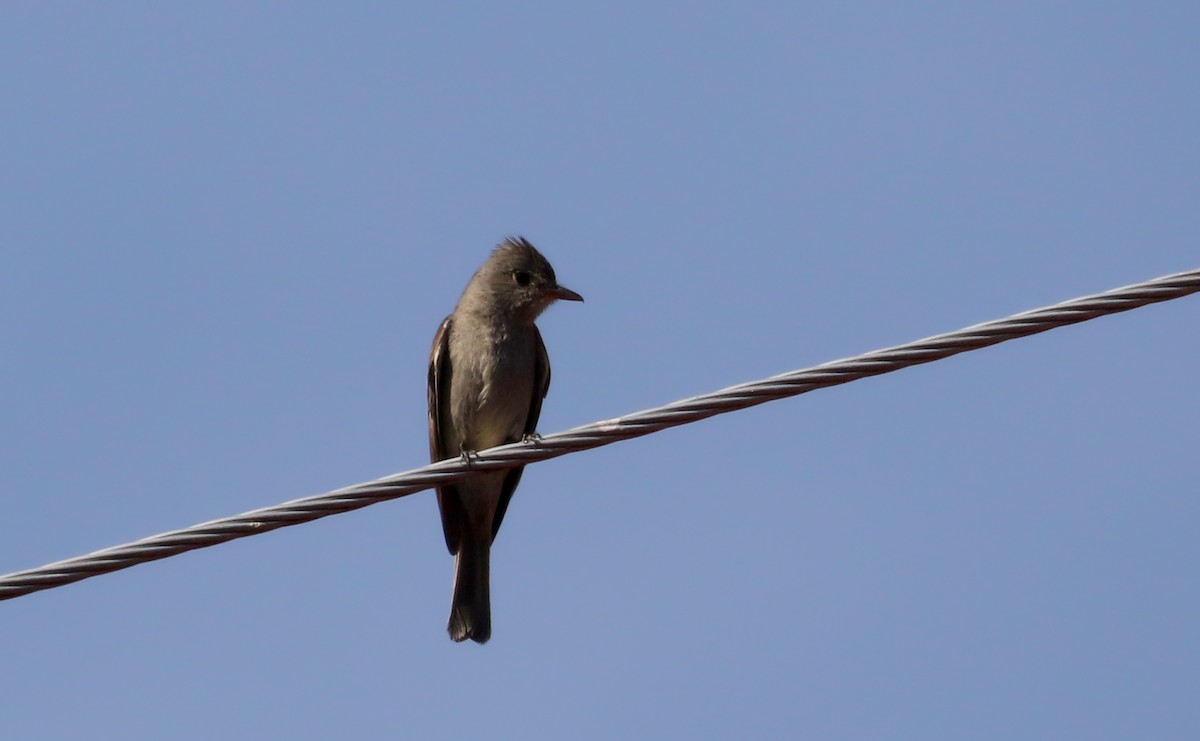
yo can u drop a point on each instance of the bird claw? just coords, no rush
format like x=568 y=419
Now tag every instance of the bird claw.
x=468 y=456
x=531 y=438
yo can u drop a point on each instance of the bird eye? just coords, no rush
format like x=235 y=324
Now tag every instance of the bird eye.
x=521 y=277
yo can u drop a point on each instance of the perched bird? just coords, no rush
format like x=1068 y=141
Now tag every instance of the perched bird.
x=488 y=374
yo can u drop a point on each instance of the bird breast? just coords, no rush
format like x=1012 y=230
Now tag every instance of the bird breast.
x=491 y=388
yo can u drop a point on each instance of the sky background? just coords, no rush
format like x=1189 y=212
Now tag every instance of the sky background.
x=230 y=230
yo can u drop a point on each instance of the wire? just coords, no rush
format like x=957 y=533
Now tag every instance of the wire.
x=600 y=433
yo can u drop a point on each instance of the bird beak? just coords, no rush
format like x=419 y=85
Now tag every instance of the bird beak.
x=564 y=293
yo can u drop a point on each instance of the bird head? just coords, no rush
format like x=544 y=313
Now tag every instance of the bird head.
x=520 y=281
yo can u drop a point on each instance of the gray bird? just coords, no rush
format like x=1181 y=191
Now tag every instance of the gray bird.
x=488 y=374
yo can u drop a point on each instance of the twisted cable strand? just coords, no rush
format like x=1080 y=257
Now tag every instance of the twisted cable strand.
x=600 y=433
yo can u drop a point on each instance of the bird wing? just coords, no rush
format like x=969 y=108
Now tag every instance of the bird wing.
x=454 y=515
x=541 y=384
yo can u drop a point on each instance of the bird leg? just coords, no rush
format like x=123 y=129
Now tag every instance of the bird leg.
x=468 y=456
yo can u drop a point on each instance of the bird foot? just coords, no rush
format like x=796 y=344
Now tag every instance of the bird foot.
x=531 y=438
x=468 y=456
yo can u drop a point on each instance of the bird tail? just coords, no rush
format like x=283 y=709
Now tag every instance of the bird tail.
x=471 y=607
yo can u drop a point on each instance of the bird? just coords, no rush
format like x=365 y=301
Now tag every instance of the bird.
x=488 y=374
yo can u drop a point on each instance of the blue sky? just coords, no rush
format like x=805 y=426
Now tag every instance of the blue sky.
x=230 y=230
